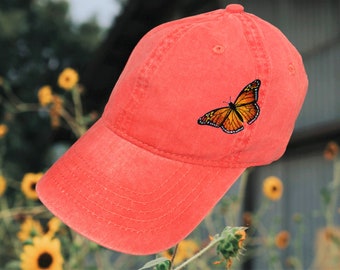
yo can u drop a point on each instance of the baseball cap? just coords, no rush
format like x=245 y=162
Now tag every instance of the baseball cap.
x=200 y=100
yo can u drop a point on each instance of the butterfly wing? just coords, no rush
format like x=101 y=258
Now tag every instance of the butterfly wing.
x=245 y=102
x=225 y=118
x=215 y=118
x=232 y=124
x=230 y=119
x=249 y=112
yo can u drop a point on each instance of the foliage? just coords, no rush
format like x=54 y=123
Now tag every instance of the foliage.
x=37 y=40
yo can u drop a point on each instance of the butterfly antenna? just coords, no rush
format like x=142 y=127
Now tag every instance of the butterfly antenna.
x=227 y=101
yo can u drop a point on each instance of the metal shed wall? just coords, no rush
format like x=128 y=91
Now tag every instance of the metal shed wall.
x=314 y=28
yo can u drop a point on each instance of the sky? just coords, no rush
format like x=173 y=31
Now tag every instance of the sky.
x=104 y=10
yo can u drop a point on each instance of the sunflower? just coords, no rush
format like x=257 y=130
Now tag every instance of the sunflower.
x=68 y=78
x=3 y=130
x=272 y=188
x=44 y=254
x=185 y=250
x=29 y=229
x=45 y=95
x=2 y=185
x=331 y=151
x=231 y=245
x=53 y=226
x=282 y=239
x=28 y=184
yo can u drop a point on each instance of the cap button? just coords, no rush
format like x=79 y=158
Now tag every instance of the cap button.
x=235 y=8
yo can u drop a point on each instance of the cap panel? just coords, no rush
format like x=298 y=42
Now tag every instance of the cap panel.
x=177 y=90
x=182 y=89
x=284 y=91
x=130 y=87
x=173 y=88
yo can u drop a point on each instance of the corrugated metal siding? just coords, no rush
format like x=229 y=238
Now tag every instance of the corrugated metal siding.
x=313 y=26
x=303 y=177
x=322 y=102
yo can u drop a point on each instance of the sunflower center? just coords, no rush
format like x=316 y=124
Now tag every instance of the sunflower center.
x=45 y=260
x=274 y=188
x=33 y=186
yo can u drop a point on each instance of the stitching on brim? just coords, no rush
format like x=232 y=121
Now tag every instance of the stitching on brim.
x=109 y=222
x=176 y=157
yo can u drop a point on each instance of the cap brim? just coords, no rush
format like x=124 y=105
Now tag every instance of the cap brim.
x=126 y=198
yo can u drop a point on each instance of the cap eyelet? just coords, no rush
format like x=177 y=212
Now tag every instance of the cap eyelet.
x=291 y=69
x=218 y=49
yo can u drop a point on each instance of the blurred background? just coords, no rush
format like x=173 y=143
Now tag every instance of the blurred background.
x=39 y=38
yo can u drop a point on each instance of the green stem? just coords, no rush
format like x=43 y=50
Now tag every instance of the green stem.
x=73 y=124
x=2 y=154
x=296 y=263
x=273 y=259
x=335 y=193
x=27 y=107
x=242 y=191
x=16 y=102
x=22 y=210
x=200 y=253
x=173 y=256
x=78 y=110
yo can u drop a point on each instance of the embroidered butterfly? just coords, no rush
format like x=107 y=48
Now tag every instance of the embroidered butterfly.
x=231 y=118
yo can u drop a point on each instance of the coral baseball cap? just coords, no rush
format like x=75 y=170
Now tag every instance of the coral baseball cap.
x=200 y=100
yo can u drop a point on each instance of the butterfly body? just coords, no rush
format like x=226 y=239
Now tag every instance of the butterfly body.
x=233 y=107
x=231 y=118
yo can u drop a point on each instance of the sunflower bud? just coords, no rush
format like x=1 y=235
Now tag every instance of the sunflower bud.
x=231 y=244
x=163 y=265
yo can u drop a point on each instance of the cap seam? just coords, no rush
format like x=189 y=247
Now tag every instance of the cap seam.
x=165 y=182
x=255 y=43
x=144 y=74
x=125 y=228
x=127 y=199
x=173 y=156
x=152 y=63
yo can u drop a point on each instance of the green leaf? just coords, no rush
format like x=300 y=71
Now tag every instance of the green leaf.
x=13 y=265
x=154 y=263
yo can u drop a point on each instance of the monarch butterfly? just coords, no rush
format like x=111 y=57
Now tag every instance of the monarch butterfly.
x=230 y=118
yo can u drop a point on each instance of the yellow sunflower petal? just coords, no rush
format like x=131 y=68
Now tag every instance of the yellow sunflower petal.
x=3 y=184
x=28 y=184
x=29 y=229
x=68 y=78
x=3 y=130
x=243 y=235
x=185 y=250
x=53 y=226
x=331 y=151
x=282 y=239
x=45 y=95
x=43 y=254
x=272 y=188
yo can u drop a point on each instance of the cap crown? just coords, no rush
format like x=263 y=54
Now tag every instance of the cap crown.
x=183 y=69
